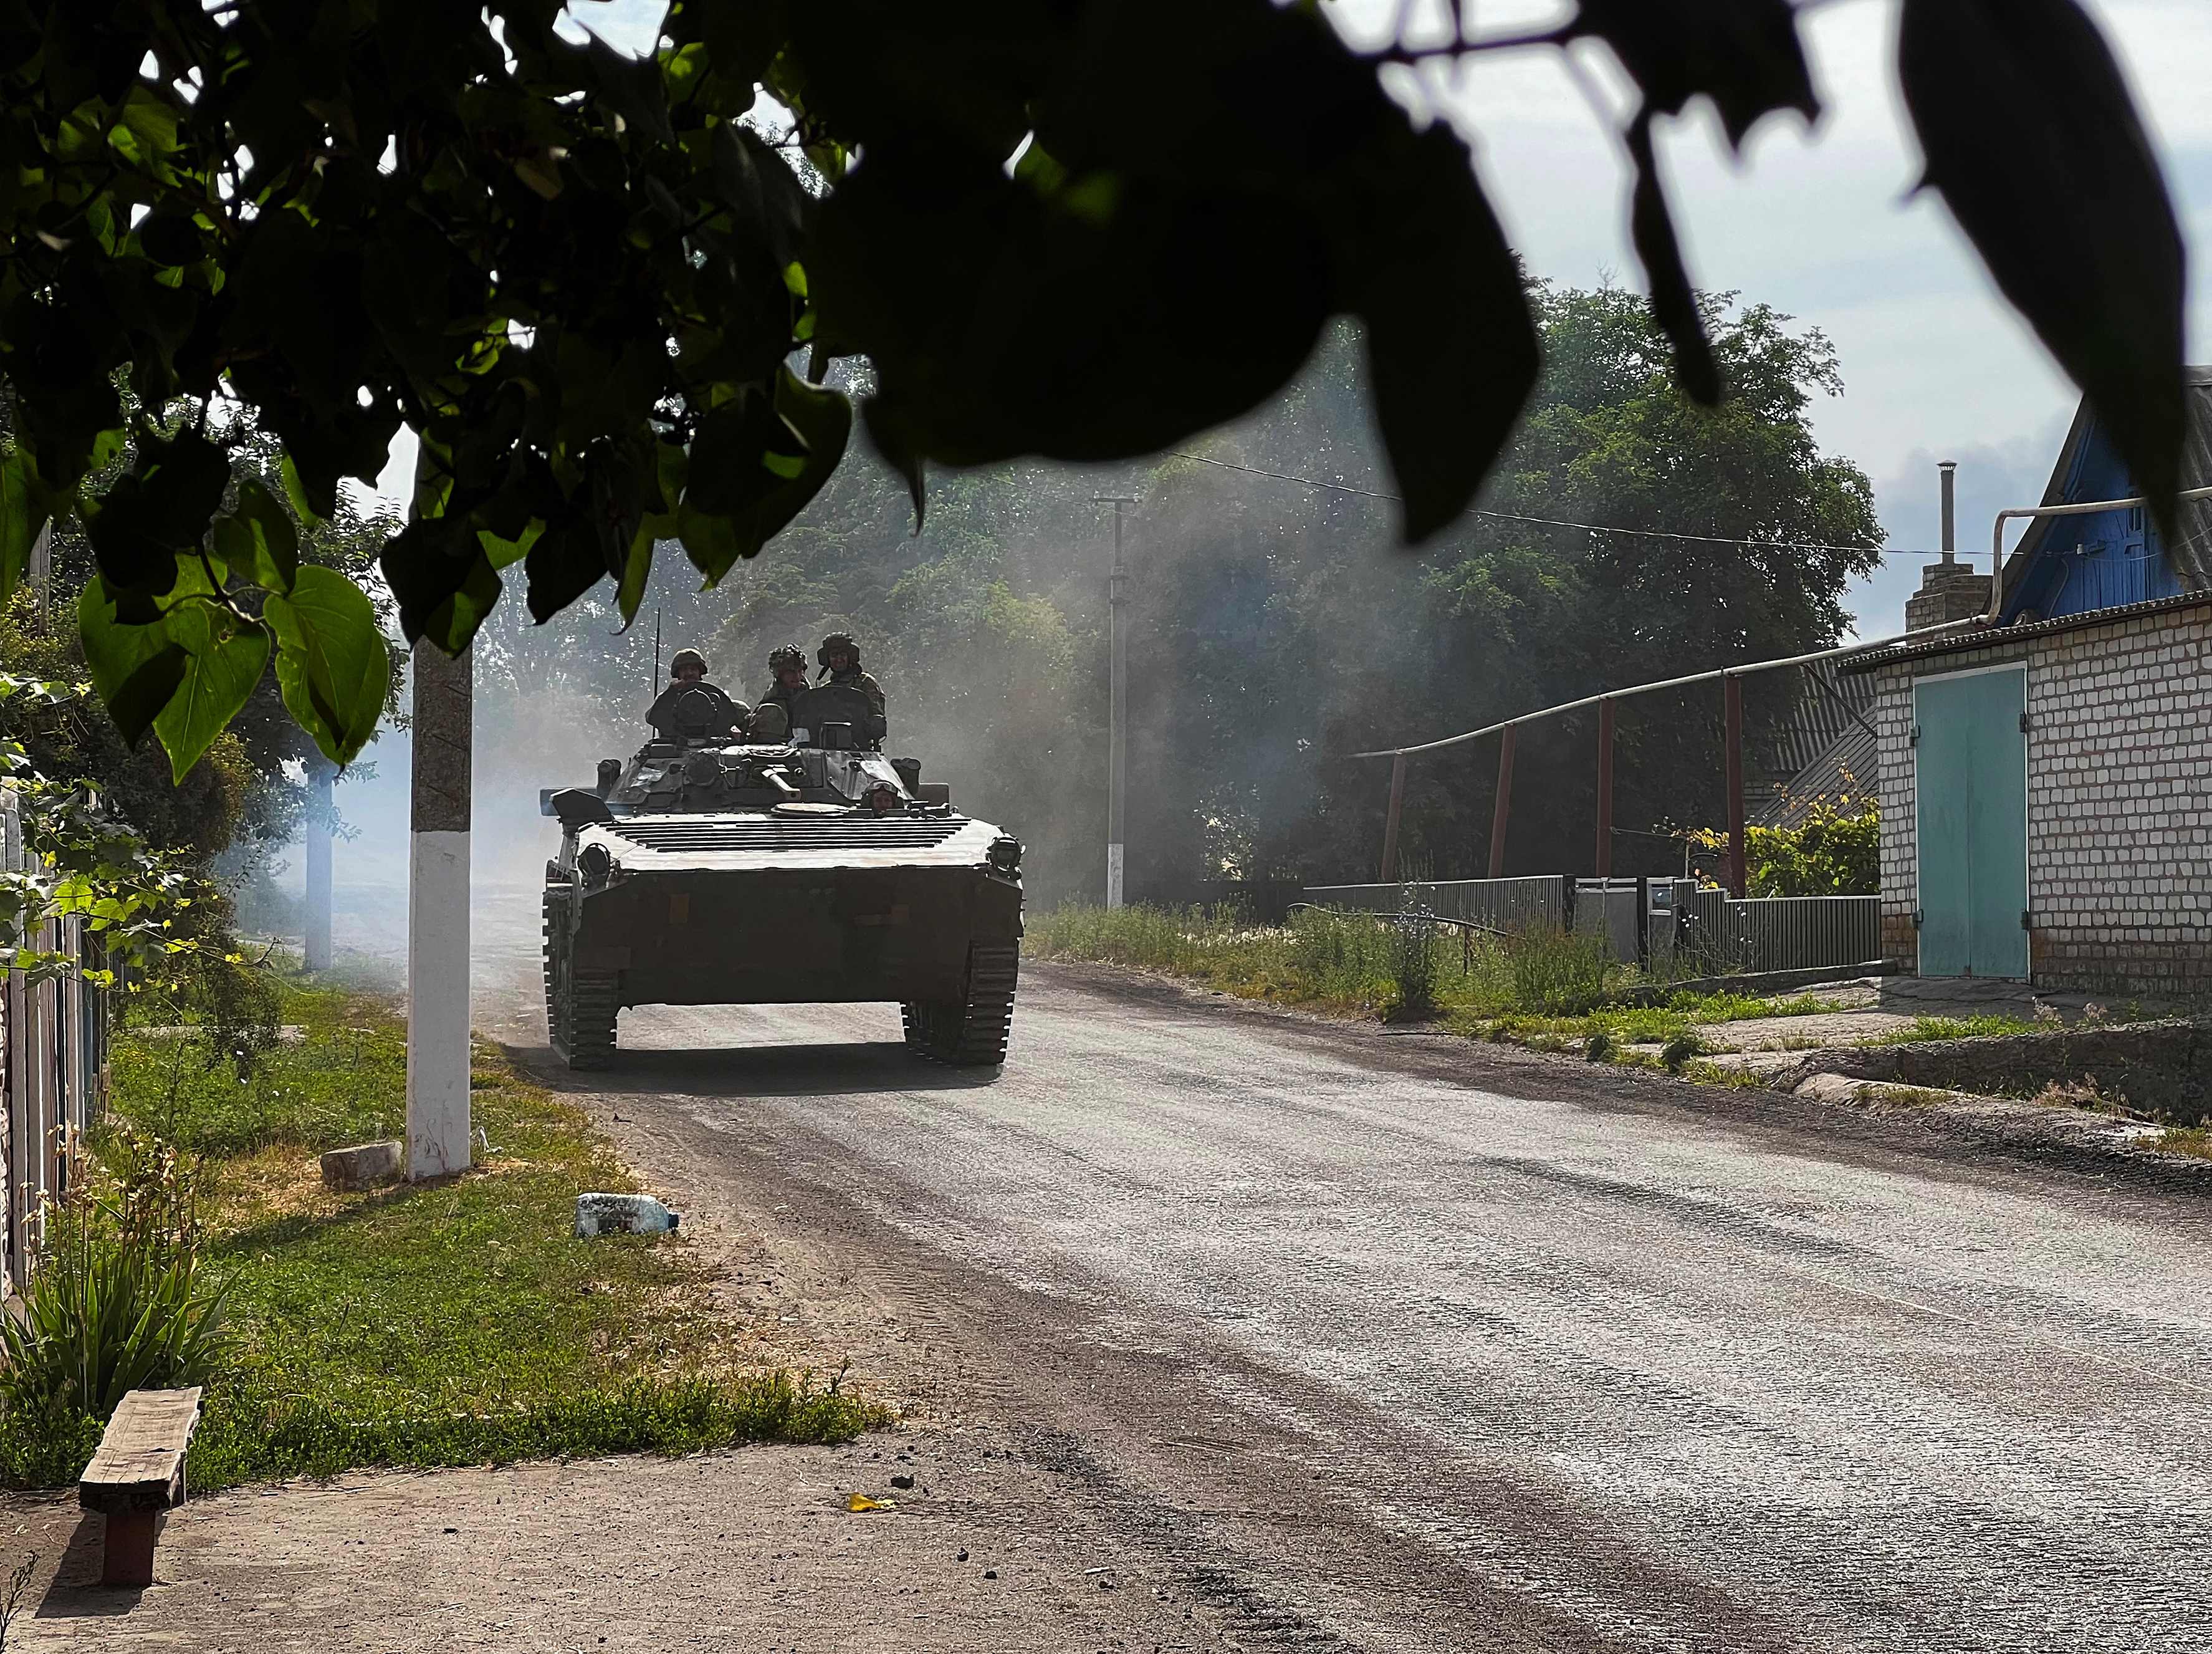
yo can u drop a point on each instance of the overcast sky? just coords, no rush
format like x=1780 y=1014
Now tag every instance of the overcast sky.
x=1820 y=224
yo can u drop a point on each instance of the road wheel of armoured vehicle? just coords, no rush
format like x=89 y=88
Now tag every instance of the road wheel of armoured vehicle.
x=580 y=1007
x=971 y=1033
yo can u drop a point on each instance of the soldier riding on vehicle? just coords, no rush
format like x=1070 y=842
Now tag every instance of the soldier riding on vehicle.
x=692 y=708
x=839 y=659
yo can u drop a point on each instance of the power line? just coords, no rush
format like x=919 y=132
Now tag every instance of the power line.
x=1548 y=522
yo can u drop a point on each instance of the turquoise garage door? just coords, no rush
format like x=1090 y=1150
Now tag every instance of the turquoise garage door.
x=1971 y=762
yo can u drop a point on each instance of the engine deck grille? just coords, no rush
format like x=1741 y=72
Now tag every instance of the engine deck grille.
x=768 y=833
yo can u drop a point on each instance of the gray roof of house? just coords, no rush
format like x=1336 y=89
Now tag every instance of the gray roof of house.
x=1984 y=637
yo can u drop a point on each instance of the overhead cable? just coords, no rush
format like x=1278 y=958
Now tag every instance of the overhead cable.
x=1546 y=522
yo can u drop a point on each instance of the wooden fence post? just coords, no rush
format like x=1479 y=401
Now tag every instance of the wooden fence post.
x=1503 y=811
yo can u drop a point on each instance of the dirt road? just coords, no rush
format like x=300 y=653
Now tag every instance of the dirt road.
x=1419 y=1346
x=1317 y=1336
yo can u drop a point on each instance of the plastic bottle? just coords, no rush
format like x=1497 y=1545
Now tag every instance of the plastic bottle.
x=622 y=1214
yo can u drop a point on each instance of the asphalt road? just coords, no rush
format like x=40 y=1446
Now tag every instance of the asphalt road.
x=1392 y=1341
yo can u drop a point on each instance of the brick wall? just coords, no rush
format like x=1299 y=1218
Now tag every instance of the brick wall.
x=2120 y=780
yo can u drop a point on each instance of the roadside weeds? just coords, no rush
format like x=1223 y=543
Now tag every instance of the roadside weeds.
x=1609 y=1014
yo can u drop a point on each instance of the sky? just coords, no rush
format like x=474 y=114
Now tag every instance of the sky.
x=1822 y=223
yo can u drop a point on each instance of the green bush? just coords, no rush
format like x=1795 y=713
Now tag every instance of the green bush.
x=120 y=1302
x=1835 y=851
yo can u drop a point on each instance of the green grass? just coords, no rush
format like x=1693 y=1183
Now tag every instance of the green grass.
x=1934 y=1028
x=442 y=1324
x=1551 y=992
x=2195 y=1141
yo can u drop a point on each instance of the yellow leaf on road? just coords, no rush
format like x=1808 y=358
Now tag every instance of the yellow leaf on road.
x=862 y=1502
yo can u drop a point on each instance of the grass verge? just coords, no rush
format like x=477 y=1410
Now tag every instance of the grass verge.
x=427 y=1326
x=1550 y=993
x=1934 y=1028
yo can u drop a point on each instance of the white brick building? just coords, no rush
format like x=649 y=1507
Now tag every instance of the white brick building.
x=2046 y=782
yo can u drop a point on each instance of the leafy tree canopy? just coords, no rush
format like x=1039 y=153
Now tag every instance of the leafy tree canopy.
x=1080 y=230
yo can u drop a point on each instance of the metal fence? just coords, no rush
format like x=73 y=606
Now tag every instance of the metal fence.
x=54 y=1069
x=1712 y=935
x=1783 y=932
x=1501 y=903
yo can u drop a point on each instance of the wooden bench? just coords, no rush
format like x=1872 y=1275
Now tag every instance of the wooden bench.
x=138 y=1476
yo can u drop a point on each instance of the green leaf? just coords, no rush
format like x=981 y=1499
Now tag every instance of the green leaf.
x=224 y=661
x=136 y=669
x=333 y=666
x=636 y=569
x=21 y=519
x=296 y=492
x=2025 y=120
x=503 y=552
x=258 y=540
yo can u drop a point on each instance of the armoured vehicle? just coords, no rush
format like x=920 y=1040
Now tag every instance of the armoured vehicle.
x=792 y=864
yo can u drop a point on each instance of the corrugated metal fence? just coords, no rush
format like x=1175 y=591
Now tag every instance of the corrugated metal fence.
x=54 y=1070
x=1785 y=933
x=1714 y=934
x=1501 y=903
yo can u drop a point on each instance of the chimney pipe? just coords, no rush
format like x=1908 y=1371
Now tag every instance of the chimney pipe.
x=1950 y=470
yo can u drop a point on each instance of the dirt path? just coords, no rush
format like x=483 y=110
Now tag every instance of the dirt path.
x=751 y=1550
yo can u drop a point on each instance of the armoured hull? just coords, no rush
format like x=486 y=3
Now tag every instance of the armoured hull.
x=715 y=872
x=753 y=909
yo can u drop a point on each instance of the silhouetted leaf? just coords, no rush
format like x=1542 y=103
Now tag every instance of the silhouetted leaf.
x=161 y=506
x=1745 y=55
x=1673 y=300
x=756 y=472
x=2032 y=137
x=332 y=664
x=1451 y=348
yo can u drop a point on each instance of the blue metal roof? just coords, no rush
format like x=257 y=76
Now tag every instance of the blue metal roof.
x=2068 y=566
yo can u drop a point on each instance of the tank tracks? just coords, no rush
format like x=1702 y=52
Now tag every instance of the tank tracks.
x=970 y=1034
x=580 y=1007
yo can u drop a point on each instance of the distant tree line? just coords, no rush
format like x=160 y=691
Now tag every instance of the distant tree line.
x=1276 y=627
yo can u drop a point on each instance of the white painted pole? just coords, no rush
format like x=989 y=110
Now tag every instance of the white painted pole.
x=316 y=938
x=438 y=919
x=1117 y=761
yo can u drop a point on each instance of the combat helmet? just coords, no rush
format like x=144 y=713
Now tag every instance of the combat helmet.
x=838 y=640
x=789 y=655
x=687 y=658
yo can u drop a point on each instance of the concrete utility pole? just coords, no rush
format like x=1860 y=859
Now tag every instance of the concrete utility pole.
x=438 y=918
x=1117 y=772
x=40 y=568
x=321 y=818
